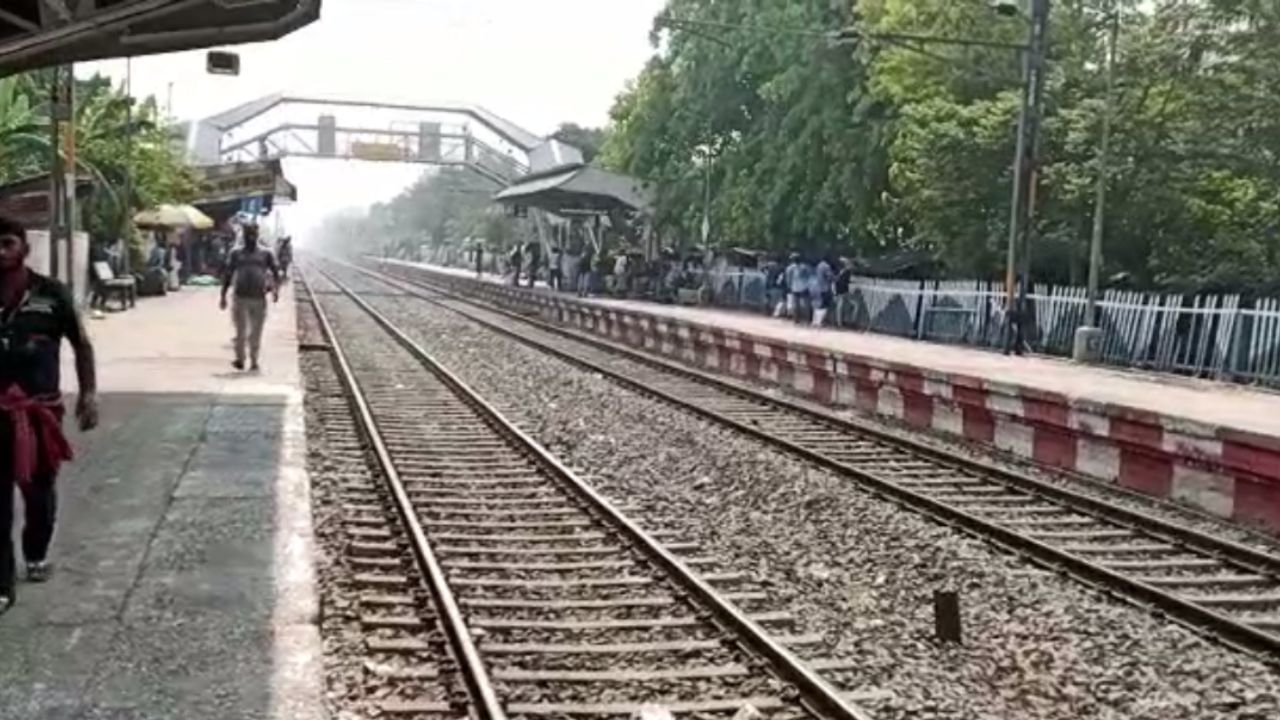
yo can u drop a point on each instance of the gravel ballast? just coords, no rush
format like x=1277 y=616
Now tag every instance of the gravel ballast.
x=353 y=689
x=858 y=569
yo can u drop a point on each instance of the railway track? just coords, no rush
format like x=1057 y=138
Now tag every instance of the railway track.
x=382 y=633
x=1225 y=590
x=544 y=598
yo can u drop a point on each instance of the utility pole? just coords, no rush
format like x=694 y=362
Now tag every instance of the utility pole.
x=62 y=176
x=1026 y=172
x=126 y=203
x=1088 y=339
x=706 y=208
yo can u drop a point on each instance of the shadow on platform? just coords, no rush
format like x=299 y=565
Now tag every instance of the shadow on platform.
x=169 y=598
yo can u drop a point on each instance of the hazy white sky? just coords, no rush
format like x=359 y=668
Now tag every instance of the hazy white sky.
x=535 y=62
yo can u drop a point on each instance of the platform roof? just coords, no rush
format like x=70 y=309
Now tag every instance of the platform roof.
x=38 y=33
x=578 y=188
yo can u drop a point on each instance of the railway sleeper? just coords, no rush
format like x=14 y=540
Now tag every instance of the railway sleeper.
x=1083 y=535
x=1193 y=581
x=491 y=623
x=1224 y=600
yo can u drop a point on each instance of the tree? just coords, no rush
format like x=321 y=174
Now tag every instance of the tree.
x=896 y=144
x=444 y=208
x=778 y=124
x=104 y=134
x=588 y=140
x=22 y=132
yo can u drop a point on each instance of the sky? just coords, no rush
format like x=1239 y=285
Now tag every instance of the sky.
x=537 y=63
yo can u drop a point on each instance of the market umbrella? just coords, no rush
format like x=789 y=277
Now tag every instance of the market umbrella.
x=173 y=216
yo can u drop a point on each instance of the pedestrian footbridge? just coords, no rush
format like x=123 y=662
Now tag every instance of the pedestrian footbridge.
x=445 y=134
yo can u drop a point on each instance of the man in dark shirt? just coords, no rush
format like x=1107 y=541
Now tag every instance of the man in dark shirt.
x=843 y=279
x=36 y=314
x=583 y=283
x=516 y=260
x=253 y=271
x=535 y=260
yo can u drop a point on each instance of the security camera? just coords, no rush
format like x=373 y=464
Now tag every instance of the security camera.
x=1006 y=8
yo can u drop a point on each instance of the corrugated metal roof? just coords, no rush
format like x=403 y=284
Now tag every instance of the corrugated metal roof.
x=578 y=187
x=116 y=28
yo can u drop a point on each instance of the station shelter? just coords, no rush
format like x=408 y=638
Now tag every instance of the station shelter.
x=578 y=206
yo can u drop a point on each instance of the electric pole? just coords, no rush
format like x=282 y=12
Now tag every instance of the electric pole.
x=1026 y=175
x=1088 y=339
x=62 y=176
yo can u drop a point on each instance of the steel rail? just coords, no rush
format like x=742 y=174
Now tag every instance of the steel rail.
x=815 y=693
x=1189 y=614
x=483 y=696
x=1243 y=555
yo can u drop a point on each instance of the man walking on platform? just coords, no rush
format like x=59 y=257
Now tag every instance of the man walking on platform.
x=253 y=271
x=535 y=261
x=797 y=281
x=36 y=314
x=821 y=291
x=516 y=259
x=555 y=270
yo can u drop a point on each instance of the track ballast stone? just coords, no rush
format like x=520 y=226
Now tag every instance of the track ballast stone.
x=860 y=570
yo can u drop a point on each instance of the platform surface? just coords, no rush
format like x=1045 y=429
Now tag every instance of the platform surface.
x=183 y=585
x=1226 y=405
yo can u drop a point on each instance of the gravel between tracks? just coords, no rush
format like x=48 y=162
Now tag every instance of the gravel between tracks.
x=858 y=569
x=351 y=692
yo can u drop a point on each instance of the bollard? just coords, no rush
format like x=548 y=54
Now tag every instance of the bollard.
x=946 y=615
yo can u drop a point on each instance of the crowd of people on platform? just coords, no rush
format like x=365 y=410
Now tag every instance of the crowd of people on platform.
x=171 y=262
x=814 y=292
x=588 y=272
x=807 y=291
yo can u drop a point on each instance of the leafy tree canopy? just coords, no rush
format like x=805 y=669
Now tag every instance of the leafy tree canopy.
x=887 y=144
x=112 y=144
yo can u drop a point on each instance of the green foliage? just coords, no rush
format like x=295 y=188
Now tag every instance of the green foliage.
x=890 y=144
x=109 y=147
x=588 y=140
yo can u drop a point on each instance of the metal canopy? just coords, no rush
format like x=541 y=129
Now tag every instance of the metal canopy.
x=39 y=33
x=578 y=188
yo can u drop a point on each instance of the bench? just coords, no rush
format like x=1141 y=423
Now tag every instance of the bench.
x=106 y=284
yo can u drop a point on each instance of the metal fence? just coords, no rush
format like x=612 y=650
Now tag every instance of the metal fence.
x=1204 y=335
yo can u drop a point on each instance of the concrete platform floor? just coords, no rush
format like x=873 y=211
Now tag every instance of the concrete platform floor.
x=183 y=585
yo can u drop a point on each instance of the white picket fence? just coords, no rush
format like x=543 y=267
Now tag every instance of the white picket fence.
x=1204 y=335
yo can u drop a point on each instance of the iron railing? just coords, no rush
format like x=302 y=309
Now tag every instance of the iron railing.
x=1218 y=336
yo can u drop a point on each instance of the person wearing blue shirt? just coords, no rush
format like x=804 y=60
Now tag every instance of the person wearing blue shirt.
x=797 y=279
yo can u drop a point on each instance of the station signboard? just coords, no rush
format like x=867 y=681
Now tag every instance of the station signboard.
x=236 y=181
x=384 y=152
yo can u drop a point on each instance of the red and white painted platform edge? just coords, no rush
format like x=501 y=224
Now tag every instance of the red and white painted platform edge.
x=1211 y=445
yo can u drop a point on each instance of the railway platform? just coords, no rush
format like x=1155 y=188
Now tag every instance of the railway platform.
x=1211 y=445
x=183 y=583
